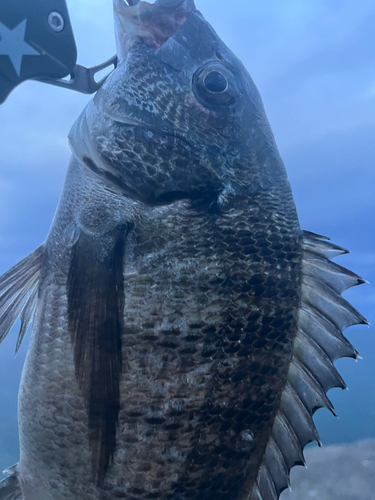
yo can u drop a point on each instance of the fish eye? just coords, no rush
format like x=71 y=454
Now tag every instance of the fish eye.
x=213 y=84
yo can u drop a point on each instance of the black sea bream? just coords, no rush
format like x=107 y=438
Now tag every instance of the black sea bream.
x=184 y=327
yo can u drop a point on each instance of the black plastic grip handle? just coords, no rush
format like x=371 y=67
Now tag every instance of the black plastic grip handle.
x=36 y=41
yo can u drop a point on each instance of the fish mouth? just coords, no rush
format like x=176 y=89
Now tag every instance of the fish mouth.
x=154 y=23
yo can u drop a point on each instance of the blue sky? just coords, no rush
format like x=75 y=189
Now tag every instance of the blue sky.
x=314 y=64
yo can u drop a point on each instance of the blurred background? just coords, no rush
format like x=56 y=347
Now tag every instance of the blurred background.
x=314 y=64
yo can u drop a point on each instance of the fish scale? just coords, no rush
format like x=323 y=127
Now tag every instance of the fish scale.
x=228 y=374
x=184 y=327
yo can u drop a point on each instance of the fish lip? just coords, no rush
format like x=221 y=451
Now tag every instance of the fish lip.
x=144 y=9
x=154 y=23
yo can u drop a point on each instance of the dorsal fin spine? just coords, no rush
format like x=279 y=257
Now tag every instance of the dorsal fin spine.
x=285 y=437
x=266 y=484
x=324 y=333
x=277 y=467
x=315 y=388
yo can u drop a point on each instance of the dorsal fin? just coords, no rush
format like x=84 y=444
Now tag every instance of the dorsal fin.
x=18 y=294
x=323 y=316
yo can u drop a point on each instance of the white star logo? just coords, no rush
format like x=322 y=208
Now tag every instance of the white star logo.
x=13 y=45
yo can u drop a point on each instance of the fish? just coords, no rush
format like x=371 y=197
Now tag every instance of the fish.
x=184 y=326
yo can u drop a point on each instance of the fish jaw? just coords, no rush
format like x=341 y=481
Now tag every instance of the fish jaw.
x=154 y=23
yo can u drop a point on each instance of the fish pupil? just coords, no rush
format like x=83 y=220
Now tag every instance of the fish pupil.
x=215 y=82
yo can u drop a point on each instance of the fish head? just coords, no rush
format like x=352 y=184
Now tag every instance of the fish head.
x=180 y=116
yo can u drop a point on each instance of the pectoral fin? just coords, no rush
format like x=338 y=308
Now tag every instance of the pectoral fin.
x=95 y=312
x=18 y=294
